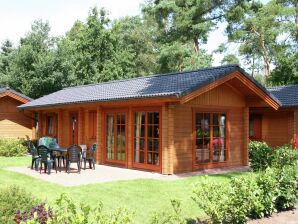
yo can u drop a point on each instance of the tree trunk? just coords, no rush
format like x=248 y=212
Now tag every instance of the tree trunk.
x=265 y=56
x=196 y=45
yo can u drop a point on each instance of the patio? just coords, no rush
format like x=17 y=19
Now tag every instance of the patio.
x=103 y=174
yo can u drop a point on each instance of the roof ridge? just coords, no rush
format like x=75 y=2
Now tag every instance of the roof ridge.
x=155 y=75
x=291 y=85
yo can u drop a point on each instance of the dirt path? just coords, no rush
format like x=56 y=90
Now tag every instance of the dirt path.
x=288 y=217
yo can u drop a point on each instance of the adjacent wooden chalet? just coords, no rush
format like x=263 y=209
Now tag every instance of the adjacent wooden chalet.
x=13 y=123
x=276 y=127
x=169 y=123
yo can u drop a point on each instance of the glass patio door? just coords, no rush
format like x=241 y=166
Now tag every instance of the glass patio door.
x=115 y=137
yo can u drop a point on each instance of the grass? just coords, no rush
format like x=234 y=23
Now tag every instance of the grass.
x=143 y=197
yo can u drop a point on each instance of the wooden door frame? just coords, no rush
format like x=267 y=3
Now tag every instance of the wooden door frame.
x=103 y=137
x=143 y=166
x=210 y=164
x=70 y=126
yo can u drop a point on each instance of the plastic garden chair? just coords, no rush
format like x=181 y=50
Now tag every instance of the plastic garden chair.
x=73 y=155
x=34 y=154
x=89 y=156
x=45 y=159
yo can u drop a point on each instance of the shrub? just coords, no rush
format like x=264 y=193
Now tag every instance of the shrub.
x=288 y=187
x=13 y=199
x=283 y=156
x=174 y=217
x=12 y=147
x=260 y=155
x=213 y=199
x=66 y=212
x=40 y=213
x=268 y=185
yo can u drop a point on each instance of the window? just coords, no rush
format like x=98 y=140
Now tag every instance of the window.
x=51 y=125
x=146 y=138
x=210 y=140
x=115 y=136
x=255 y=127
x=92 y=125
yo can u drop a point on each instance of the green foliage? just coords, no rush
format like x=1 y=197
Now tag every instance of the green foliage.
x=284 y=156
x=260 y=155
x=12 y=147
x=269 y=190
x=288 y=187
x=230 y=59
x=13 y=199
x=286 y=70
x=258 y=194
x=66 y=211
x=212 y=198
x=169 y=218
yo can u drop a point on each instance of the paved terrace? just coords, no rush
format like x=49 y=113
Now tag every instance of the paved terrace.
x=103 y=174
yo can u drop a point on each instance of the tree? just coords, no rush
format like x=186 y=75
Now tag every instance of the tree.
x=260 y=30
x=230 y=59
x=33 y=69
x=286 y=71
x=6 y=52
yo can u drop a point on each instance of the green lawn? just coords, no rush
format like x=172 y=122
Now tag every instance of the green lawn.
x=139 y=196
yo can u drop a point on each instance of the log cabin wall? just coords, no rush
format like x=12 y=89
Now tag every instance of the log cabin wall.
x=222 y=98
x=278 y=126
x=13 y=123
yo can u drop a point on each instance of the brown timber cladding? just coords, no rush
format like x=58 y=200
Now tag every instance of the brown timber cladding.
x=13 y=123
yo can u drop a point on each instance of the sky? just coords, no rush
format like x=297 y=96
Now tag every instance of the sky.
x=16 y=17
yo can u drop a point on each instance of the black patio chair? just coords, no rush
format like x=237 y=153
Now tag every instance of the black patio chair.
x=45 y=159
x=73 y=155
x=56 y=155
x=89 y=156
x=34 y=154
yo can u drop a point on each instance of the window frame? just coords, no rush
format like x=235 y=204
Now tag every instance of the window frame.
x=211 y=163
x=147 y=166
x=115 y=112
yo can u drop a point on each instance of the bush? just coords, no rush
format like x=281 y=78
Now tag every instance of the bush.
x=13 y=199
x=260 y=155
x=252 y=196
x=12 y=147
x=67 y=212
x=40 y=213
x=174 y=217
x=213 y=199
x=268 y=185
x=287 y=178
x=284 y=156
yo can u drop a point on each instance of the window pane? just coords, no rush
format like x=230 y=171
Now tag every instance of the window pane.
x=215 y=131
x=156 y=145
x=202 y=155
x=122 y=118
x=150 y=144
x=140 y=118
x=199 y=132
x=155 y=131
x=139 y=157
x=150 y=118
x=150 y=131
x=118 y=118
x=50 y=125
x=155 y=158
x=222 y=120
x=199 y=119
x=215 y=119
x=110 y=137
x=149 y=158
x=156 y=118
x=199 y=143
